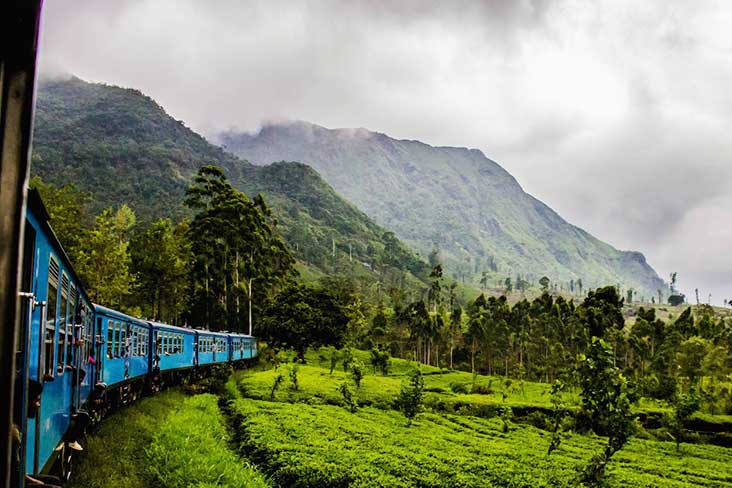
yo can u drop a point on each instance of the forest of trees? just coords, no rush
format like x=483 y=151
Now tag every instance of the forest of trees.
x=228 y=265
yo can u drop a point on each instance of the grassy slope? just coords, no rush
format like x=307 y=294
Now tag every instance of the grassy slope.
x=167 y=440
x=319 y=386
x=305 y=445
x=305 y=438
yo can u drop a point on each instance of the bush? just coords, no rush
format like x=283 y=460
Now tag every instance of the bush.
x=380 y=360
x=482 y=389
x=357 y=373
x=277 y=382
x=293 y=376
x=348 y=398
x=409 y=401
x=459 y=388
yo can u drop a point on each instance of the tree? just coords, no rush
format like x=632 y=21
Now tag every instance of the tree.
x=684 y=407
x=544 y=282
x=409 y=401
x=380 y=361
x=602 y=311
x=300 y=317
x=70 y=218
x=161 y=260
x=454 y=329
x=484 y=280
x=508 y=285
x=434 y=257
x=434 y=294
x=607 y=398
x=104 y=262
x=235 y=243
x=690 y=358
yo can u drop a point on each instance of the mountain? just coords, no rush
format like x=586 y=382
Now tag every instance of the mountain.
x=122 y=147
x=451 y=197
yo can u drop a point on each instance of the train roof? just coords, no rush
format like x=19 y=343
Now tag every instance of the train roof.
x=117 y=314
x=185 y=330
x=38 y=210
x=237 y=334
x=210 y=332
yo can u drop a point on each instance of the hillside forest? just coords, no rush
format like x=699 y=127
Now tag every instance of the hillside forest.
x=228 y=268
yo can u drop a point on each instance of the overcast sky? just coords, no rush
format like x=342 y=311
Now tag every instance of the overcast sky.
x=616 y=114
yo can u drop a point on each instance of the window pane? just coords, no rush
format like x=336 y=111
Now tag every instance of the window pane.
x=51 y=305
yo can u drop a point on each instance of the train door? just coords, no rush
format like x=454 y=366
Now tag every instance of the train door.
x=100 y=353
x=23 y=362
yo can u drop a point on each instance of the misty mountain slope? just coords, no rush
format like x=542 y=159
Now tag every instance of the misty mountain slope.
x=122 y=147
x=453 y=197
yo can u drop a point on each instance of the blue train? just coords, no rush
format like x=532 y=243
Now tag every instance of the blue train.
x=78 y=359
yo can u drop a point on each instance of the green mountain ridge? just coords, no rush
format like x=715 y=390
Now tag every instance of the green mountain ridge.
x=452 y=197
x=122 y=147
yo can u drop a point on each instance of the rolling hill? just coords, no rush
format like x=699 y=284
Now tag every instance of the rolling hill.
x=122 y=147
x=451 y=197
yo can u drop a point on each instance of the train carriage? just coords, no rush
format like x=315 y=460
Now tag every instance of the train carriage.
x=56 y=346
x=241 y=347
x=125 y=341
x=174 y=347
x=211 y=347
x=77 y=359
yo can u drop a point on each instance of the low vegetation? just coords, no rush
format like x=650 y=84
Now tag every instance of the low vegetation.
x=321 y=445
x=168 y=440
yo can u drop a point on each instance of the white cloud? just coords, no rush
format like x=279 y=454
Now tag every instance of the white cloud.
x=615 y=113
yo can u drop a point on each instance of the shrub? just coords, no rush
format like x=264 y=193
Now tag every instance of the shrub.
x=357 y=372
x=482 y=389
x=459 y=387
x=347 y=358
x=348 y=398
x=277 y=382
x=409 y=401
x=506 y=416
x=293 y=376
x=380 y=360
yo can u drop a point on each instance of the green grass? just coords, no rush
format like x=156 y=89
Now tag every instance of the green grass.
x=322 y=445
x=114 y=454
x=169 y=440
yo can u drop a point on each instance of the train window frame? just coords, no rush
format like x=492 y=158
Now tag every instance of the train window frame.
x=110 y=340
x=71 y=324
x=62 y=324
x=49 y=330
x=123 y=339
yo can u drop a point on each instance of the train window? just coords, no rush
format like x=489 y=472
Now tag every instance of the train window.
x=123 y=339
x=71 y=326
x=50 y=331
x=110 y=339
x=63 y=314
x=87 y=333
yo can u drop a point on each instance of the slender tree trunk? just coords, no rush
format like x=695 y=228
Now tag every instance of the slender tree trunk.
x=250 y=305
x=236 y=288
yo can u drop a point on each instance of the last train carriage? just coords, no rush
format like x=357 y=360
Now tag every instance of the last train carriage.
x=77 y=359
